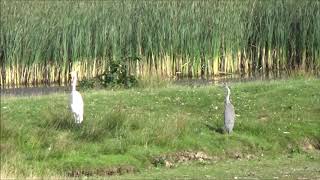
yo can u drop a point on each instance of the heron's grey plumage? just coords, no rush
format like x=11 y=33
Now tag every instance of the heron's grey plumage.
x=229 y=113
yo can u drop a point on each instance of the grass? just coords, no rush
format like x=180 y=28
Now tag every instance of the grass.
x=297 y=167
x=276 y=119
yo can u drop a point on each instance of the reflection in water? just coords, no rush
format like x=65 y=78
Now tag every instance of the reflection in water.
x=29 y=91
x=232 y=78
x=183 y=81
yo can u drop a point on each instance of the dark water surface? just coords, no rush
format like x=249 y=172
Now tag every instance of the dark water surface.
x=33 y=91
x=225 y=79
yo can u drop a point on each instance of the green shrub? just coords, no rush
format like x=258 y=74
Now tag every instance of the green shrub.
x=116 y=76
x=90 y=83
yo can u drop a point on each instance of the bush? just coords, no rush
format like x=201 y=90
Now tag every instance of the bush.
x=116 y=76
x=90 y=83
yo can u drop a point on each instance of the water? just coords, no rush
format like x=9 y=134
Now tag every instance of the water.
x=44 y=90
x=226 y=79
x=34 y=91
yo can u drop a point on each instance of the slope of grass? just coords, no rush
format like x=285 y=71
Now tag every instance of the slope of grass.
x=130 y=127
x=297 y=167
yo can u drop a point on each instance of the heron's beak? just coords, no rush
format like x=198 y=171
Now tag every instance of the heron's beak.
x=221 y=85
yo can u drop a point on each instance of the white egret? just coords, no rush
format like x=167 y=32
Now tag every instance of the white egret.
x=76 y=101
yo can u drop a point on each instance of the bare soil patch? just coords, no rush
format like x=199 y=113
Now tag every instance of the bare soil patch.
x=109 y=171
x=172 y=159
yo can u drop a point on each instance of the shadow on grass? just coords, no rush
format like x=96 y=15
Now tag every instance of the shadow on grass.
x=219 y=130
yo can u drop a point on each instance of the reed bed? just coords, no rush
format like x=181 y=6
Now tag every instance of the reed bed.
x=42 y=41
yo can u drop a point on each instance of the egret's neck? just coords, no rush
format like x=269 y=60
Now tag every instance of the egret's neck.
x=228 y=95
x=74 y=84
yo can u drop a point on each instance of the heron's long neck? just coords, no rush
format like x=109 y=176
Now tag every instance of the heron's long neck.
x=74 y=83
x=228 y=95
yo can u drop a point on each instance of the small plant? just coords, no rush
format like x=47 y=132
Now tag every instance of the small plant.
x=117 y=75
x=90 y=83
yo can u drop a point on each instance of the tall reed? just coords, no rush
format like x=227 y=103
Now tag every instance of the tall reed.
x=42 y=41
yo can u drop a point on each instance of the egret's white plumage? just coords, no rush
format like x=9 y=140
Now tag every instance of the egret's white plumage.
x=76 y=101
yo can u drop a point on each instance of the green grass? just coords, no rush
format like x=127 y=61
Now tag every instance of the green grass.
x=278 y=119
x=296 y=167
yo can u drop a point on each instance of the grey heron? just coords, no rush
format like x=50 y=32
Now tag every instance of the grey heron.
x=229 y=113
